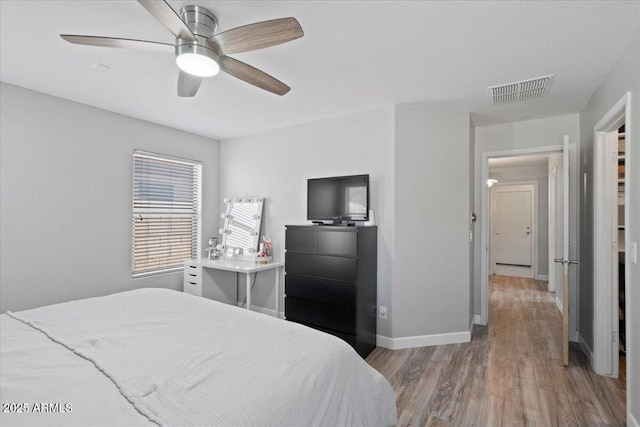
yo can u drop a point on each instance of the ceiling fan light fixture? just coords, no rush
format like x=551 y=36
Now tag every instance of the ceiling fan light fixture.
x=197 y=60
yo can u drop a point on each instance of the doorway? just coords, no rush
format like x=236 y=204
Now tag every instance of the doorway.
x=510 y=212
x=611 y=242
x=570 y=238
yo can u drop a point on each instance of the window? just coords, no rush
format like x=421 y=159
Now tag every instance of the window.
x=166 y=212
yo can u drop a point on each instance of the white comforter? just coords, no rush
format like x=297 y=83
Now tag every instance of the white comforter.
x=182 y=360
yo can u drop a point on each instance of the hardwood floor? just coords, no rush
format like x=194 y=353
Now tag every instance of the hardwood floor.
x=510 y=374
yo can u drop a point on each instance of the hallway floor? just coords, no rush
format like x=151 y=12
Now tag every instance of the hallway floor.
x=510 y=374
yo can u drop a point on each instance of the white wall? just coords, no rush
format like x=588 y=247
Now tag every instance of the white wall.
x=431 y=272
x=623 y=77
x=520 y=135
x=277 y=164
x=65 y=207
x=539 y=174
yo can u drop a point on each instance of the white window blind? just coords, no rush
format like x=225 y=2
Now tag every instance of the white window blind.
x=166 y=212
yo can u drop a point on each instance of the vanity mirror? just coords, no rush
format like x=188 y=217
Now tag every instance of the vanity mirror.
x=241 y=231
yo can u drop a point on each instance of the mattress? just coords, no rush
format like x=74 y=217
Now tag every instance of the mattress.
x=162 y=357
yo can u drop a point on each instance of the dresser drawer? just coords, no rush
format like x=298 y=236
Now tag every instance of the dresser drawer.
x=338 y=243
x=321 y=290
x=301 y=241
x=192 y=278
x=192 y=267
x=322 y=266
x=192 y=273
x=193 y=288
x=323 y=315
x=322 y=241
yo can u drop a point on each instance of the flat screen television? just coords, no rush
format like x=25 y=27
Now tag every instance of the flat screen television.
x=338 y=199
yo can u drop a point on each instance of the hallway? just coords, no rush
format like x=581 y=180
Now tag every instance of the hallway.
x=510 y=374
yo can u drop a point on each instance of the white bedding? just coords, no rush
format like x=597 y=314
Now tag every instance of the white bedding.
x=182 y=360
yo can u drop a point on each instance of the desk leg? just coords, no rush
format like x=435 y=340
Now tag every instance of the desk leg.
x=278 y=292
x=248 y=291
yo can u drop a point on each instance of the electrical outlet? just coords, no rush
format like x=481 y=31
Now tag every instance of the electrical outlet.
x=633 y=252
x=382 y=312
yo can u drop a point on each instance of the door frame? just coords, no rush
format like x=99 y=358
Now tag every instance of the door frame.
x=605 y=306
x=484 y=222
x=534 y=222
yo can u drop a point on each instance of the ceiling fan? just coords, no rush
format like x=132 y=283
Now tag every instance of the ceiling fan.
x=200 y=52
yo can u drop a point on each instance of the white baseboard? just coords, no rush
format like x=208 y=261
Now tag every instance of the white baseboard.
x=586 y=349
x=543 y=277
x=512 y=270
x=559 y=304
x=477 y=319
x=423 y=340
x=631 y=420
x=385 y=342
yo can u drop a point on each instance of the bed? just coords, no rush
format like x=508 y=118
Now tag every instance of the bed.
x=162 y=357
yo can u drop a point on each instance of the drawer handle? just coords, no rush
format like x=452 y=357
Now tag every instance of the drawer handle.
x=193 y=275
x=193 y=283
x=192 y=266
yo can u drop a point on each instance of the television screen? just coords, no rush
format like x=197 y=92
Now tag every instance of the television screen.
x=343 y=198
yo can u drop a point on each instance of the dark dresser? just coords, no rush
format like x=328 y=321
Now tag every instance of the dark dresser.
x=331 y=281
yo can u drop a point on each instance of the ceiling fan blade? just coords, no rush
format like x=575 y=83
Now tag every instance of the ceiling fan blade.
x=188 y=84
x=168 y=17
x=257 y=36
x=253 y=76
x=117 y=42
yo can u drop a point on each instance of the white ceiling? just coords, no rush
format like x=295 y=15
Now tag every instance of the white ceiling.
x=355 y=55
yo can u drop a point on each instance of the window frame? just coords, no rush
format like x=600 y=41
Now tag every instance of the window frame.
x=197 y=165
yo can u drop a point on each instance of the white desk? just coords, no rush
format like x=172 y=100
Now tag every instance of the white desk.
x=193 y=277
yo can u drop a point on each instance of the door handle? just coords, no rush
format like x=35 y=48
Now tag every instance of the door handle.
x=565 y=261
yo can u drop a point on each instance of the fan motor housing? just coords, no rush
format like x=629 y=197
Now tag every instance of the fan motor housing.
x=202 y=23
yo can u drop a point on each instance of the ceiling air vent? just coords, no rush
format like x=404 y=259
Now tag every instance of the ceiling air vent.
x=520 y=91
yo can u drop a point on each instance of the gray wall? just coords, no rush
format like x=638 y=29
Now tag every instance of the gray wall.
x=520 y=135
x=65 y=208
x=277 y=164
x=623 y=77
x=431 y=271
x=539 y=175
x=424 y=277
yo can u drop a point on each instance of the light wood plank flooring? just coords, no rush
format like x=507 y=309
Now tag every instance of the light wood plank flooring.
x=510 y=374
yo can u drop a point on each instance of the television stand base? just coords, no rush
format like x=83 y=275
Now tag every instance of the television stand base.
x=343 y=224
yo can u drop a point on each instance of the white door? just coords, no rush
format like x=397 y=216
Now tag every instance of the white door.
x=552 y=221
x=565 y=261
x=512 y=227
